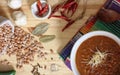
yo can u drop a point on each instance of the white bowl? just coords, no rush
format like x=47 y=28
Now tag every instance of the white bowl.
x=82 y=39
x=34 y=10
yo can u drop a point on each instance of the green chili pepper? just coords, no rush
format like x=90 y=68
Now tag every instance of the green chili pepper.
x=8 y=73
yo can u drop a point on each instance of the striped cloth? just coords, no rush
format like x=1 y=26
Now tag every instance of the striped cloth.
x=114 y=5
x=100 y=25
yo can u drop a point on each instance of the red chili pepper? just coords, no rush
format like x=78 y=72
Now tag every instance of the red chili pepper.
x=55 y=10
x=44 y=10
x=62 y=13
x=39 y=5
x=63 y=17
x=68 y=1
x=65 y=10
x=69 y=5
x=38 y=8
x=69 y=9
x=74 y=8
x=68 y=25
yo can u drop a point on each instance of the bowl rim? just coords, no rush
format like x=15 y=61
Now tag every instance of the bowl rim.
x=82 y=39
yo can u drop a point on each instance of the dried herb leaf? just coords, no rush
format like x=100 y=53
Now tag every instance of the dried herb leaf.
x=47 y=38
x=40 y=29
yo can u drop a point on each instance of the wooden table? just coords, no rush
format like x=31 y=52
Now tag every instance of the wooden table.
x=56 y=26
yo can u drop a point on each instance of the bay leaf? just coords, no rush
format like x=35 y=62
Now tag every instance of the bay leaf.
x=40 y=29
x=47 y=38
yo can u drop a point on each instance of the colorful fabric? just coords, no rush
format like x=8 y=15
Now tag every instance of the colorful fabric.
x=114 y=5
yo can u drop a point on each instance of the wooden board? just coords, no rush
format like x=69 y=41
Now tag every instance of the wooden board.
x=56 y=26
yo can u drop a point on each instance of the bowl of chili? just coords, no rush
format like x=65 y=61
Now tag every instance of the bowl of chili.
x=96 y=44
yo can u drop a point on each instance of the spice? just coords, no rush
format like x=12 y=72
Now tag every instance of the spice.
x=5 y=35
x=65 y=8
x=35 y=69
x=42 y=8
x=4 y=62
x=78 y=18
x=39 y=5
x=68 y=25
x=40 y=29
x=51 y=51
x=24 y=47
x=43 y=11
x=31 y=29
x=38 y=65
x=74 y=9
x=45 y=67
x=62 y=17
x=14 y=4
x=20 y=18
x=47 y=38
x=70 y=5
x=55 y=10
x=51 y=58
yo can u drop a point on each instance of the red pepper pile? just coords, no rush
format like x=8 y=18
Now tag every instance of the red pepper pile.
x=41 y=10
x=67 y=7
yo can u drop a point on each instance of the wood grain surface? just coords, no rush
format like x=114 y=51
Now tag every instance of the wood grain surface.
x=56 y=26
